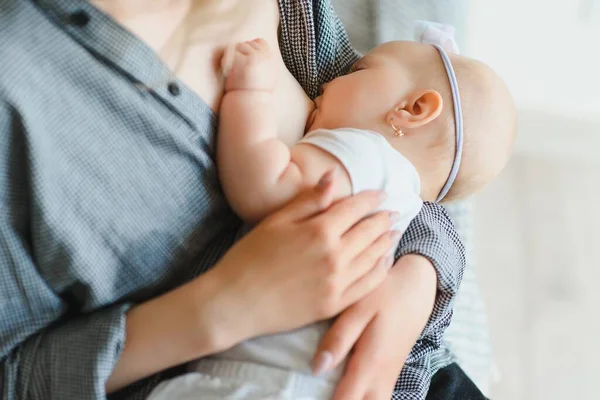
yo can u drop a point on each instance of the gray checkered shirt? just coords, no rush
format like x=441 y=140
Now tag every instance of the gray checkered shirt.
x=109 y=194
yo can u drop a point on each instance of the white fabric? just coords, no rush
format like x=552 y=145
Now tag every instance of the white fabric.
x=233 y=380
x=373 y=164
x=279 y=366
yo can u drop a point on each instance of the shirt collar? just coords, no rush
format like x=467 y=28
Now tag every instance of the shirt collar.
x=107 y=39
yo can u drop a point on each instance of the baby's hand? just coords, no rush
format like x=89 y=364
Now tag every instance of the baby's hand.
x=253 y=67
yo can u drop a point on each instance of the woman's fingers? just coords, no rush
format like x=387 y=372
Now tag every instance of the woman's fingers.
x=311 y=202
x=364 y=262
x=355 y=382
x=366 y=283
x=348 y=212
x=341 y=337
x=367 y=231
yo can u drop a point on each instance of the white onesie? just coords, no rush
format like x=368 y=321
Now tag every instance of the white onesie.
x=278 y=367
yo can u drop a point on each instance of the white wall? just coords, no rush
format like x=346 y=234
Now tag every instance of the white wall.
x=536 y=236
x=548 y=51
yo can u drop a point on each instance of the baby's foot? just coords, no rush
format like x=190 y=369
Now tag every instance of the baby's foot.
x=252 y=67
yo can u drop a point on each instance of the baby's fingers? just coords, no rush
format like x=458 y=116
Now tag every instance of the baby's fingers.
x=227 y=60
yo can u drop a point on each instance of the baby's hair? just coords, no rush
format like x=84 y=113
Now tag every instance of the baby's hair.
x=489 y=126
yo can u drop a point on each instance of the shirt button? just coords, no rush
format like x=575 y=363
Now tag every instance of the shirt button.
x=174 y=89
x=80 y=18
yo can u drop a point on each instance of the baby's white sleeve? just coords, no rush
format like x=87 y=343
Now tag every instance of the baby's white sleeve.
x=373 y=164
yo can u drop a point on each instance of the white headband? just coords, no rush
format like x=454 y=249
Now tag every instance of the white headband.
x=442 y=38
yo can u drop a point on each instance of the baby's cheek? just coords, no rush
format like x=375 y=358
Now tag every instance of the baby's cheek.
x=359 y=114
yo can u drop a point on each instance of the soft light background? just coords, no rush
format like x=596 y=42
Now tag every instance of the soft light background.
x=536 y=234
x=537 y=228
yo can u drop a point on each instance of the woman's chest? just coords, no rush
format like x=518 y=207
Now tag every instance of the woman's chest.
x=124 y=191
x=197 y=58
x=124 y=194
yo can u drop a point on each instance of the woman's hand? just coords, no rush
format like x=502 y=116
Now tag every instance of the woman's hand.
x=382 y=328
x=304 y=263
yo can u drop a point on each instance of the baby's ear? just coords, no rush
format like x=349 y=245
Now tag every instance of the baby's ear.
x=419 y=108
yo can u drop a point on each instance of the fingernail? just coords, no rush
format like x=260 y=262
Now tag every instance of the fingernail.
x=326 y=179
x=396 y=237
x=382 y=196
x=322 y=362
x=390 y=261
x=394 y=217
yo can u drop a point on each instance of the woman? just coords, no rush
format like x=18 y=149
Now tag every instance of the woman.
x=112 y=210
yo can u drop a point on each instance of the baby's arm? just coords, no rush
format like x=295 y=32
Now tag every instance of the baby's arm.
x=258 y=172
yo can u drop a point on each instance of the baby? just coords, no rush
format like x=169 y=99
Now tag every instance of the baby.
x=403 y=121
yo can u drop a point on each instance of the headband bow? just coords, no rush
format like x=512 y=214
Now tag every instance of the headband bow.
x=441 y=37
x=436 y=34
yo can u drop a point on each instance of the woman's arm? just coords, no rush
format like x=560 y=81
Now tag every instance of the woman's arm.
x=41 y=358
x=47 y=353
x=48 y=349
x=370 y=327
x=432 y=235
x=51 y=347
x=74 y=359
x=170 y=330
x=383 y=327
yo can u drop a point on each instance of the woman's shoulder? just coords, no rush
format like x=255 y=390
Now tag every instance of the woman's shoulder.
x=314 y=44
x=19 y=27
x=13 y=26
x=27 y=46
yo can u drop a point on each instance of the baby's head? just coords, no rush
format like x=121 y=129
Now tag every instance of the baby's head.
x=402 y=91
